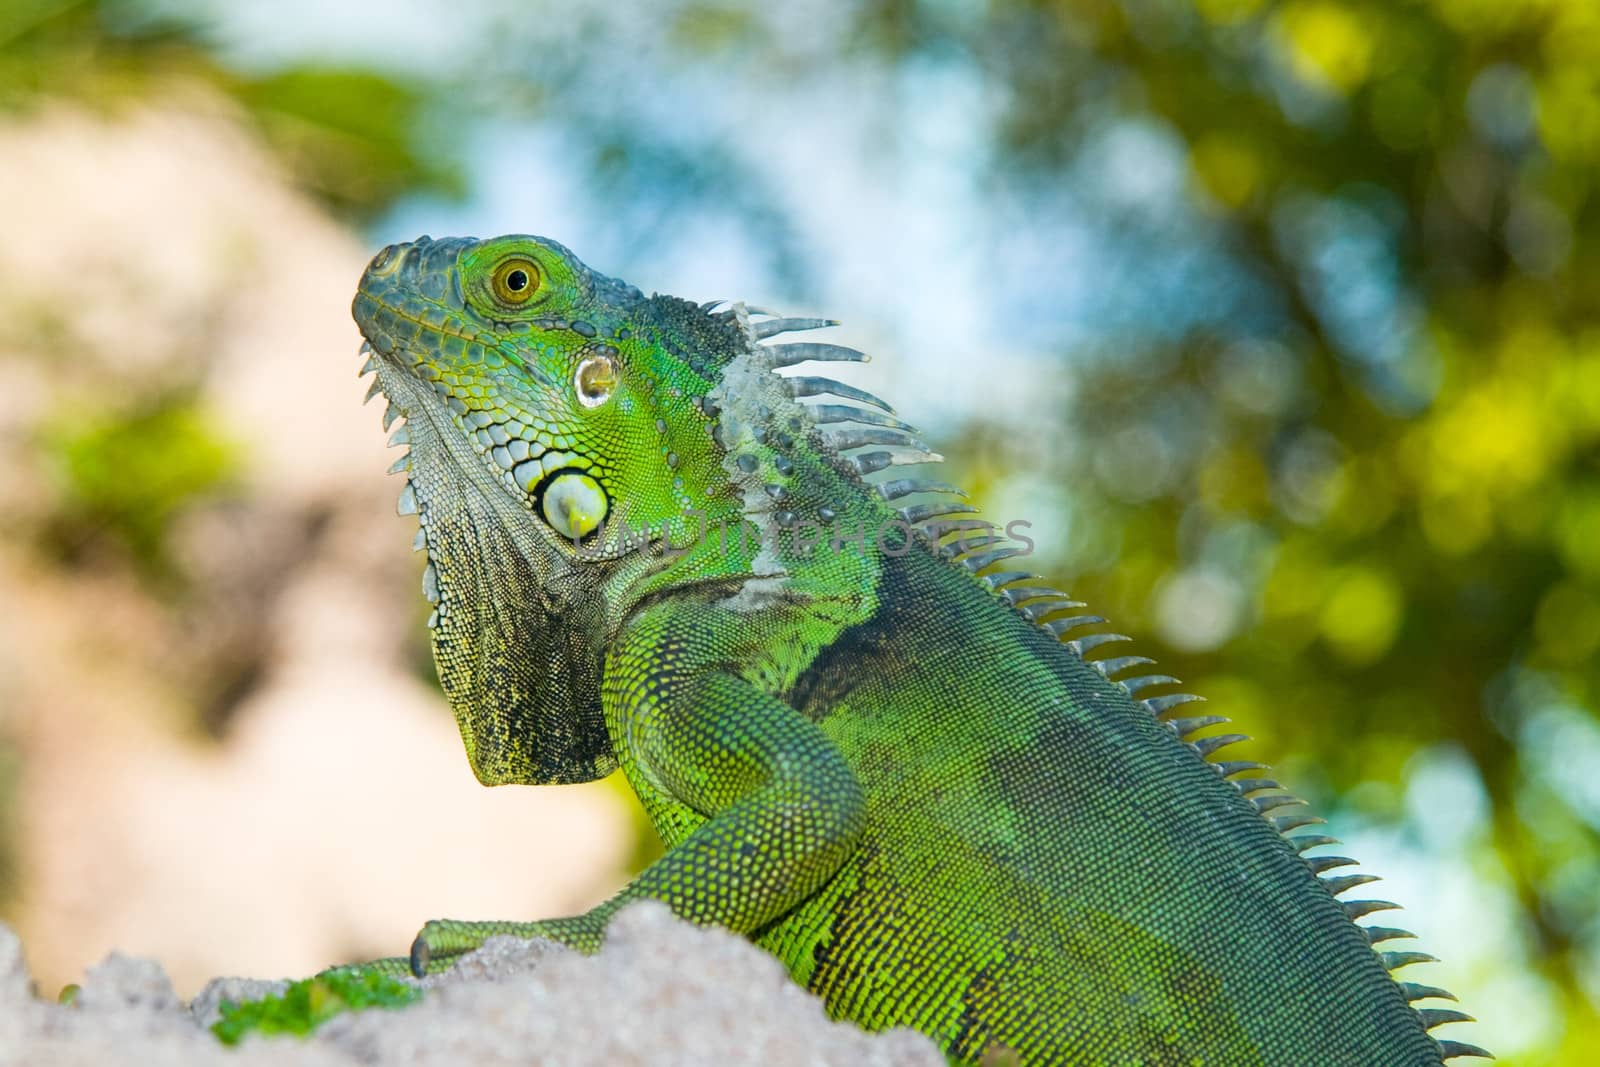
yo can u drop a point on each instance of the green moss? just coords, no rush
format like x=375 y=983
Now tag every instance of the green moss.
x=310 y=1002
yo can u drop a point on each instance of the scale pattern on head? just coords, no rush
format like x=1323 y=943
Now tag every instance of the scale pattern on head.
x=547 y=406
x=568 y=384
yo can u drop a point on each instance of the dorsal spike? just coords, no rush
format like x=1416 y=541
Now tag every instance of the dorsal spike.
x=1415 y=991
x=805 y=386
x=828 y=414
x=1306 y=842
x=1041 y=609
x=1449 y=1050
x=918 y=513
x=966 y=546
x=402 y=436
x=1345 y=882
x=1323 y=864
x=390 y=413
x=1057 y=627
x=373 y=390
x=856 y=436
x=1118 y=664
x=1017 y=594
x=899 y=487
x=1000 y=578
x=407 y=504
x=1207 y=745
x=933 y=531
x=1393 y=961
x=872 y=462
x=773 y=327
x=400 y=465
x=1360 y=909
x=1274 y=802
x=1132 y=686
x=1161 y=705
x=1193 y=724
x=1378 y=934
x=1284 y=823
x=1084 y=645
x=1246 y=786
x=994 y=555
x=789 y=355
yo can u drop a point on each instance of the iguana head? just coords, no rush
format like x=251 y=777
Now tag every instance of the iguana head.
x=543 y=401
x=573 y=389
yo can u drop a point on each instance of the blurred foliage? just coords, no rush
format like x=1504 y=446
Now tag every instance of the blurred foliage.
x=349 y=135
x=94 y=51
x=353 y=137
x=310 y=1002
x=125 y=476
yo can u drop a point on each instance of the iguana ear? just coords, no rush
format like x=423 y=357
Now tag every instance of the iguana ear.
x=523 y=680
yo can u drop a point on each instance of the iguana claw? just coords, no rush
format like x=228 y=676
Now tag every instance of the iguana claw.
x=441 y=942
x=420 y=956
x=437 y=947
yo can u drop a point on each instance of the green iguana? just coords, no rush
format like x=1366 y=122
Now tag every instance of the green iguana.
x=888 y=763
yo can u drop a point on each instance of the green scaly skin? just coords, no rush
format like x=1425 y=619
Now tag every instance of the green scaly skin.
x=883 y=764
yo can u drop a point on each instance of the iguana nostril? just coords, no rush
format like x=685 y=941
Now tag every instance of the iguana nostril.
x=384 y=259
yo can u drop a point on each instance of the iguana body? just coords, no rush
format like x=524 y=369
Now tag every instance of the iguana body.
x=870 y=753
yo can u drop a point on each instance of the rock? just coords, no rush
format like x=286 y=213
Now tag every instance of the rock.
x=499 y=959
x=127 y=983
x=15 y=985
x=660 y=993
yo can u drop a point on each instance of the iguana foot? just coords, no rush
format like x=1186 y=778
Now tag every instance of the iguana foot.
x=442 y=941
x=393 y=966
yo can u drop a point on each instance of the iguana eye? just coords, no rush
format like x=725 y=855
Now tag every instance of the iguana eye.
x=595 y=380
x=574 y=504
x=516 y=280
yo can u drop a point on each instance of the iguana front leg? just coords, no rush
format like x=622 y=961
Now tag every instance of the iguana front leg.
x=782 y=808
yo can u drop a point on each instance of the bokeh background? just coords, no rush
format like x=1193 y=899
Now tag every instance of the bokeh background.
x=1278 y=319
